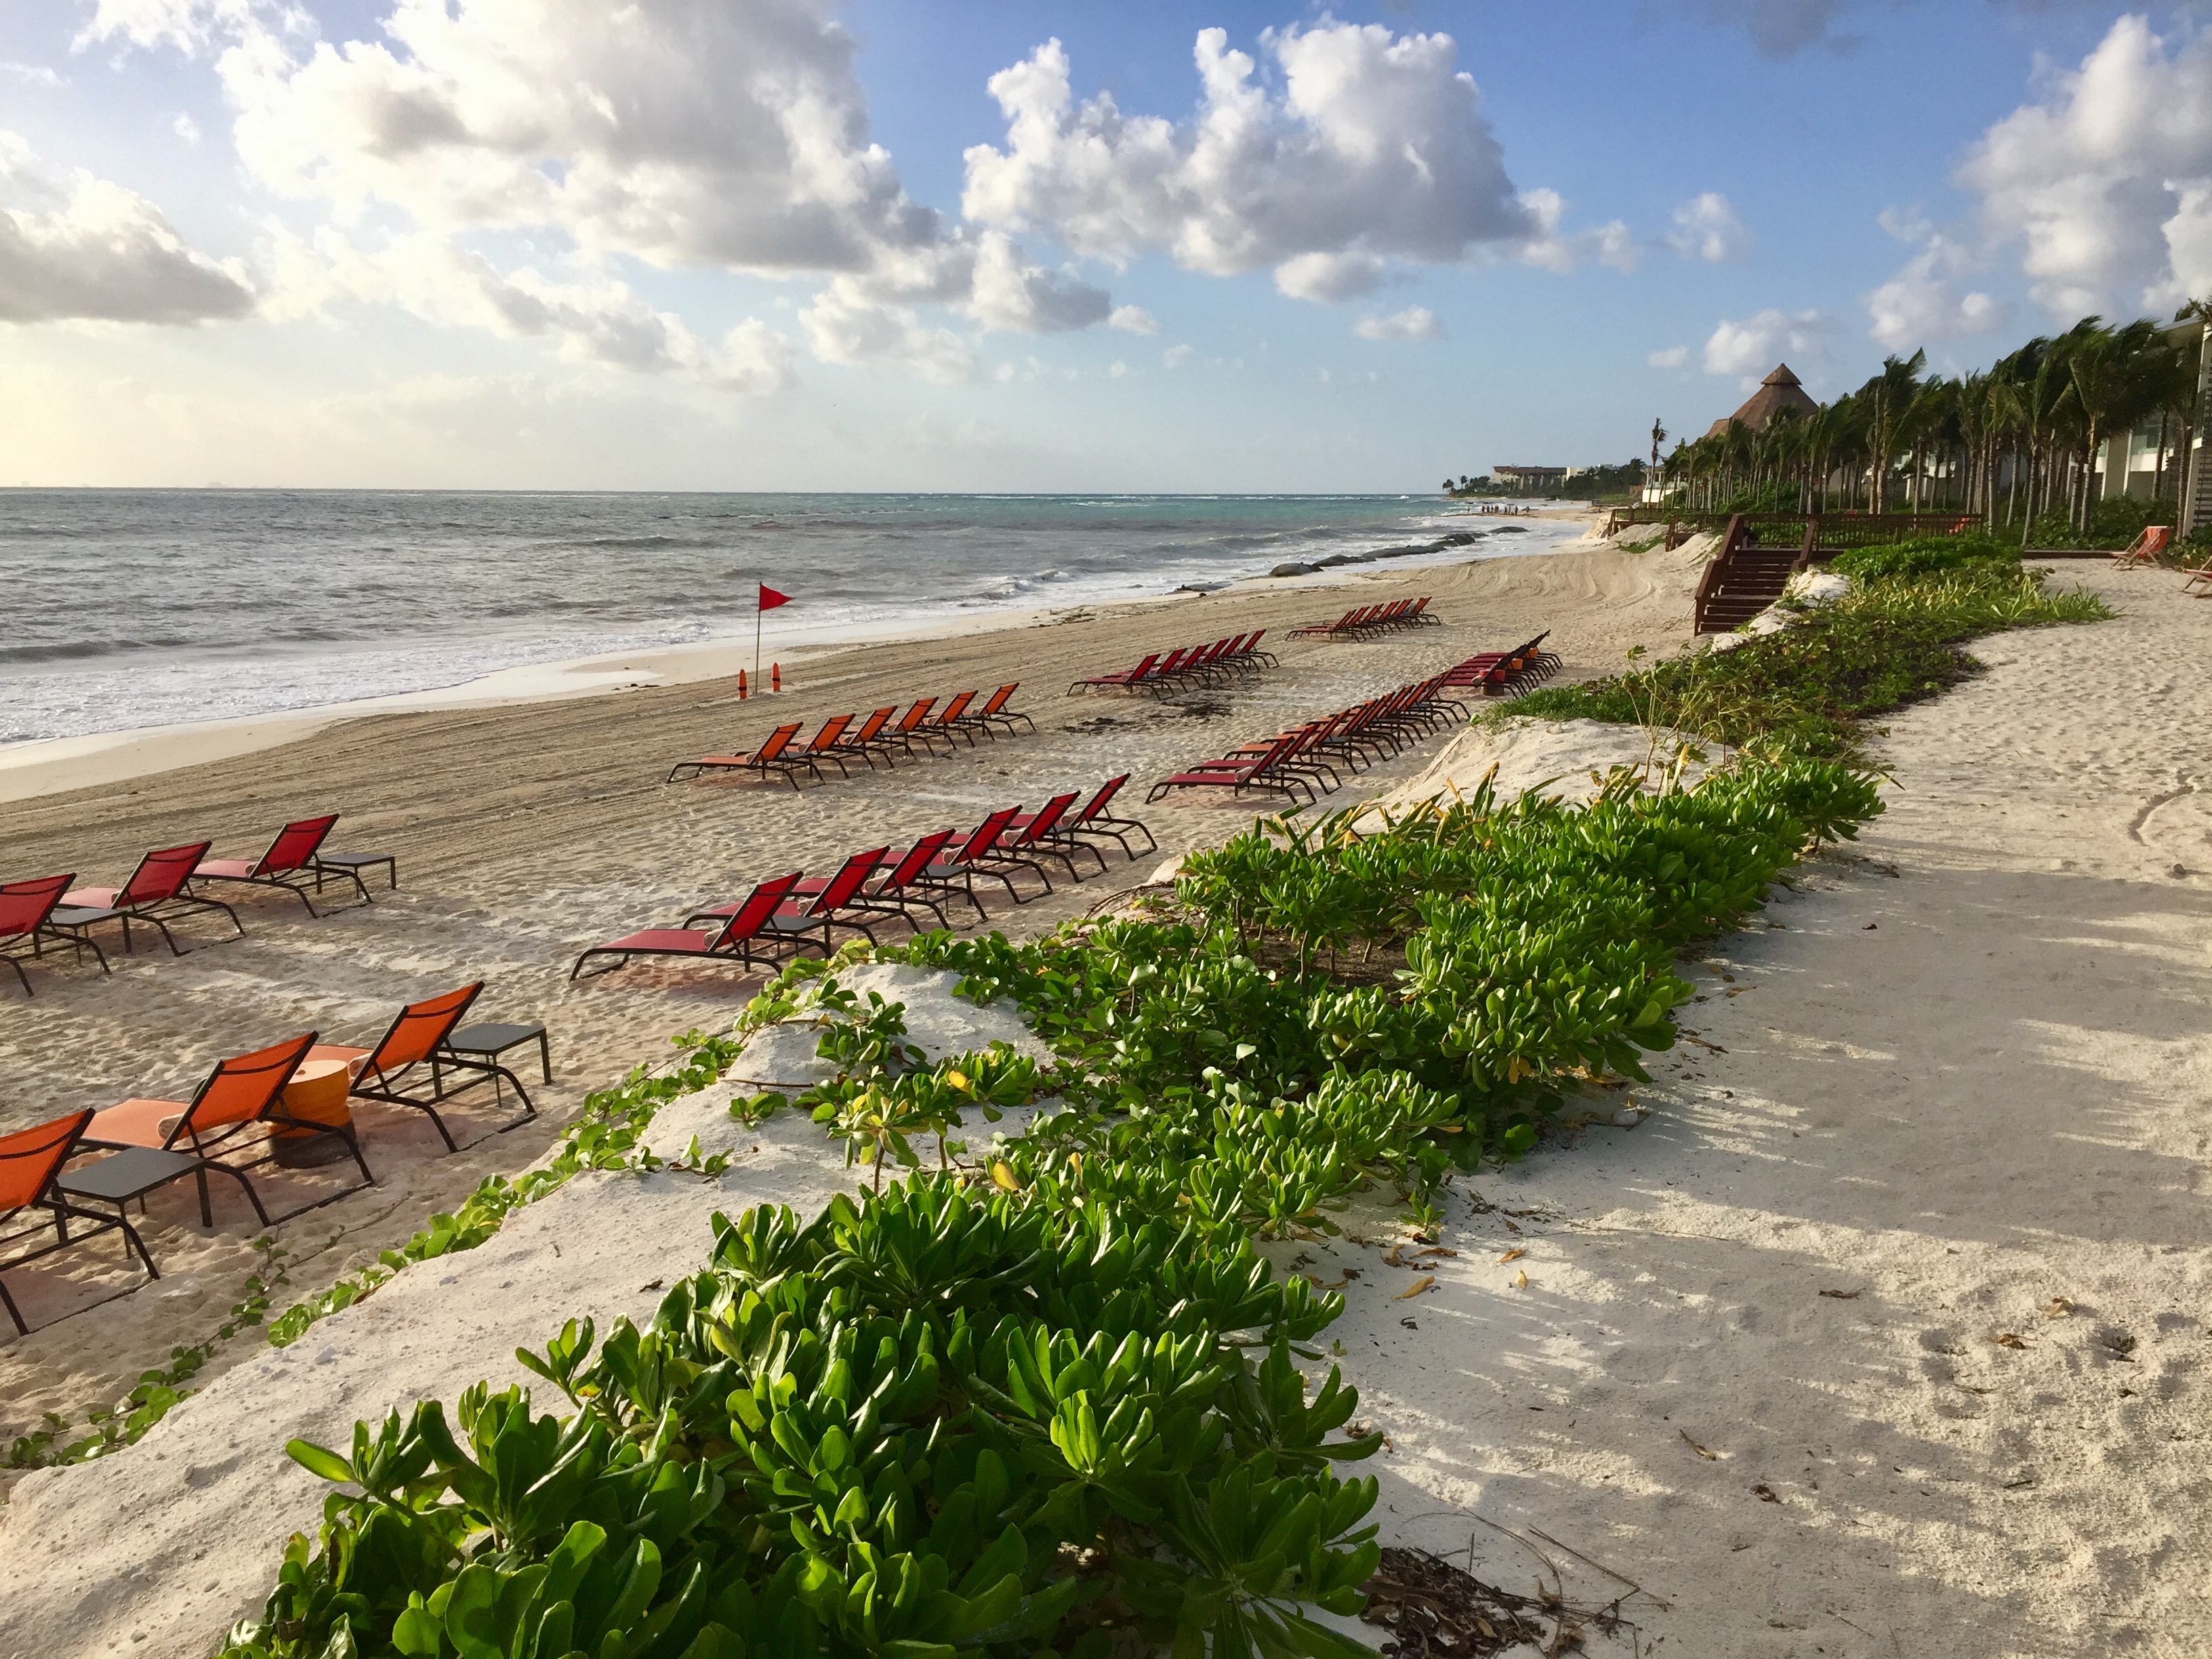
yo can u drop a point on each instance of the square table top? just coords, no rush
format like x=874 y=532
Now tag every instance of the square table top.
x=127 y=1174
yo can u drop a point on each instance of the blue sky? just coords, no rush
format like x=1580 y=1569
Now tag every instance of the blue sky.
x=758 y=243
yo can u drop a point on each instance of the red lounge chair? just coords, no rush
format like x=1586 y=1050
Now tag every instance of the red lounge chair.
x=957 y=871
x=1039 y=834
x=28 y=924
x=995 y=714
x=289 y=865
x=862 y=743
x=1127 y=677
x=1340 y=624
x=733 y=941
x=239 y=1106
x=157 y=885
x=833 y=907
x=1093 y=821
x=901 y=891
x=771 y=755
x=2200 y=580
x=2145 y=547
x=32 y=1202
x=1237 y=776
x=408 y=1064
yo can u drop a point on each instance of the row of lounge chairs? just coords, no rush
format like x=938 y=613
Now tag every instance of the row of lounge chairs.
x=1364 y=621
x=238 y=1120
x=879 y=735
x=1174 y=671
x=53 y=912
x=1303 y=762
x=1502 y=673
x=781 y=917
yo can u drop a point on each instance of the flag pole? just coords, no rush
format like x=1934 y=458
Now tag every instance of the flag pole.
x=759 y=611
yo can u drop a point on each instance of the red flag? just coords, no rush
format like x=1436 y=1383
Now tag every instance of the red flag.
x=769 y=598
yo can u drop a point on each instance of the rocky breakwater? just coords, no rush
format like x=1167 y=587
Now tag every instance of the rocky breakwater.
x=1441 y=545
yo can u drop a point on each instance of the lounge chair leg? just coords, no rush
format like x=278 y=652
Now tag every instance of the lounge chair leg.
x=13 y=1312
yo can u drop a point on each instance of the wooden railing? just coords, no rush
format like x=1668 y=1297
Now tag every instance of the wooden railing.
x=1715 y=571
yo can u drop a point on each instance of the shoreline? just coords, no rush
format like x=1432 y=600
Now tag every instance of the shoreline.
x=45 y=766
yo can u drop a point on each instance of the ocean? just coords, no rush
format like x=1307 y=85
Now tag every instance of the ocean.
x=136 y=608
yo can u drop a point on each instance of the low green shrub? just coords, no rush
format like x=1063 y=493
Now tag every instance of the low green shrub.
x=1926 y=556
x=1802 y=691
x=924 y=1424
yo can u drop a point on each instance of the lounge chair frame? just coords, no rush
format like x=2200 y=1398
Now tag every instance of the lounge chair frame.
x=55 y=1143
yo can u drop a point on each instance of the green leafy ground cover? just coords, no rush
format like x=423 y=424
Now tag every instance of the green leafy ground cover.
x=1892 y=640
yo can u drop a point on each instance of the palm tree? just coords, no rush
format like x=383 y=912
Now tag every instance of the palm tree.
x=2114 y=372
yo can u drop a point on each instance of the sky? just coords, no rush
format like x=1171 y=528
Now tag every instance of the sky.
x=893 y=244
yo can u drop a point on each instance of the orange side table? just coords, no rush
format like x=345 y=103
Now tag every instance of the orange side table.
x=318 y=1093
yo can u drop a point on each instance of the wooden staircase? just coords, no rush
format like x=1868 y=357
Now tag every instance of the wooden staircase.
x=1745 y=577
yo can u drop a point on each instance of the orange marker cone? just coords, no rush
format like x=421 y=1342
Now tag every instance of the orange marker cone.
x=776 y=677
x=741 y=685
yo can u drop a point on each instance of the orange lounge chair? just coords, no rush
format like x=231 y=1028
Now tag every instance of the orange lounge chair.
x=289 y=865
x=862 y=743
x=733 y=941
x=159 y=883
x=995 y=714
x=947 y=725
x=32 y=1201
x=408 y=1064
x=239 y=1107
x=901 y=735
x=769 y=756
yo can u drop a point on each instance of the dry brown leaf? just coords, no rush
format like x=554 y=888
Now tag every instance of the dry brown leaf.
x=1511 y=1228
x=1710 y=1457
x=1842 y=1296
x=1514 y=1254
x=1765 y=1493
x=1520 y=1281
x=1397 y=1256
x=2059 y=1307
x=1435 y=1249
x=1416 y=1287
x=2006 y=1340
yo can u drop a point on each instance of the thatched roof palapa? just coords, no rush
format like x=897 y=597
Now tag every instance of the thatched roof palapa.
x=1779 y=391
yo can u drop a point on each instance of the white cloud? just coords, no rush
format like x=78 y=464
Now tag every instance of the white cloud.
x=596 y=321
x=1176 y=355
x=2107 y=179
x=845 y=324
x=1325 y=277
x=1549 y=248
x=1117 y=370
x=186 y=129
x=36 y=75
x=1754 y=345
x=102 y=252
x=1923 y=305
x=1374 y=149
x=1672 y=357
x=1706 y=227
x=190 y=26
x=1133 y=319
x=713 y=133
x=1414 y=323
